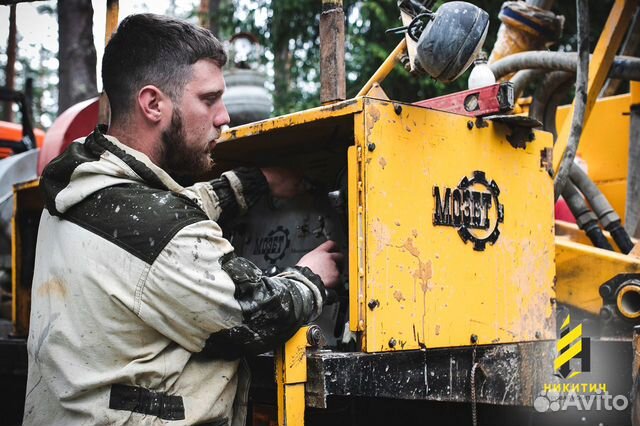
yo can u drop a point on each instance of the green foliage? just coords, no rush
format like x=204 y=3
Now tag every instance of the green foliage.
x=290 y=37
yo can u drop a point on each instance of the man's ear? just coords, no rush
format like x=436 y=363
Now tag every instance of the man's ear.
x=152 y=103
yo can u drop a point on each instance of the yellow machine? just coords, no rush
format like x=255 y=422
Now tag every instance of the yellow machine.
x=455 y=263
x=467 y=302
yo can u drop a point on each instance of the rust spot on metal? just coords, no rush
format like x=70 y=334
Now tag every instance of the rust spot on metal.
x=382 y=162
x=423 y=274
x=53 y=287
x=437 y=329
x=424 y=271
x=398 y=296
x=414 y=233
x=408 y=245
x=373 y=115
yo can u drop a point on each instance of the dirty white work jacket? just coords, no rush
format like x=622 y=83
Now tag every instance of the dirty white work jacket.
x=141 y=312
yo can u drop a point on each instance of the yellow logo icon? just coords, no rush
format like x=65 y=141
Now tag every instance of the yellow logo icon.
x=572 y=346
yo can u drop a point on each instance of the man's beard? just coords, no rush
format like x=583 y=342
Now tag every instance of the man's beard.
x=178 y=158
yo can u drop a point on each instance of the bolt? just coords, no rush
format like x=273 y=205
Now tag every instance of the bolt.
x=532 y=136
x=314 y=335
x=474 y=339
x=392 y=342
x=371 y=147
x=605 y=313
x=538 y=335
x=605 y=291
x=373 y=303
x=469 y=125
x=398 y=109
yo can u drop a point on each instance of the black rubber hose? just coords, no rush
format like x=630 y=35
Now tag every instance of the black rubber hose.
x=580 y=103
x=623 y=67
x=586 y=219
x=602 y=208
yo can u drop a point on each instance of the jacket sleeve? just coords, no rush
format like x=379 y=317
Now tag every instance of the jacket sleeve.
x=230 y=195
x=202 y=296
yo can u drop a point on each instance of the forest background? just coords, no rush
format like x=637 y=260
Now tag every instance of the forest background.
x=57 y=40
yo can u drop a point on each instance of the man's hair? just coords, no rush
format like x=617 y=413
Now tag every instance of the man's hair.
x=157 y=50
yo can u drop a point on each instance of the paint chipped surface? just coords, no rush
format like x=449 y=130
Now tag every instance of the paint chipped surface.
x=398 y=296
x=424 y=271
x=382 y=162
x=423 y=274
x=381 y=235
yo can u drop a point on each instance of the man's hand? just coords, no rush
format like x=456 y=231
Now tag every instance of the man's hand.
x=324 y=261
x=283 y=183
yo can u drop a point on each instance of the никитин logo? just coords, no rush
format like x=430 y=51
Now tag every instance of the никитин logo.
x=574 y=358
x=581 y=350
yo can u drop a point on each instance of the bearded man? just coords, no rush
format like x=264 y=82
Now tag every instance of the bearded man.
x=141 y=312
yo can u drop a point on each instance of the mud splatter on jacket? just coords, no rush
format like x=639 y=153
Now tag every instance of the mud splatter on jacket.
x=140 y=308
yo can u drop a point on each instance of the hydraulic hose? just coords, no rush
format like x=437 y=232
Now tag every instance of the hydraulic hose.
x=585 y=218
x=522 y=79
x=580 y=99
x=549 y=94
x=623 y=67
x=602 y=208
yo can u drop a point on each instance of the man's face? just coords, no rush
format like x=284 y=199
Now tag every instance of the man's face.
x=196 y=122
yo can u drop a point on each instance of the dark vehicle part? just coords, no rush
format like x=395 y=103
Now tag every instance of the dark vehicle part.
x=601 y=206
x=451 y=40
x=276 y=233
x=585 y=218
x=620 y=304
x=28 y=138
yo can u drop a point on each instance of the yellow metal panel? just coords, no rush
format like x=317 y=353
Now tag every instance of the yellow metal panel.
x=316 y=114
x=604 y=144
x=425 y=286
x=355 y=238
x=635 y=92
x=610 y=38
x=581 y=270
x=291 y=375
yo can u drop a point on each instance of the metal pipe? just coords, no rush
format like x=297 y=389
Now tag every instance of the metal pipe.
x=333 y=86
x=628 y=301
x=383 y=71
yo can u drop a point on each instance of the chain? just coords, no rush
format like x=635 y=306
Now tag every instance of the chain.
x=474 y=409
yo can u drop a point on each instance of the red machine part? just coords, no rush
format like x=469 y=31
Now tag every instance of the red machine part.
x=495 y=99
x=74 y=123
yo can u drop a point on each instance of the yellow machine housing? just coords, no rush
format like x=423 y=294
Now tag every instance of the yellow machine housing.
x=419 y=181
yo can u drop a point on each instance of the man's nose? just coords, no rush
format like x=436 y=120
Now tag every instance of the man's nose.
x=222 y=117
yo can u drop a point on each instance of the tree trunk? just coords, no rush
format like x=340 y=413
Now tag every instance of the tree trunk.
x=77 y=53
x=282 y=60
x=10 y=70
